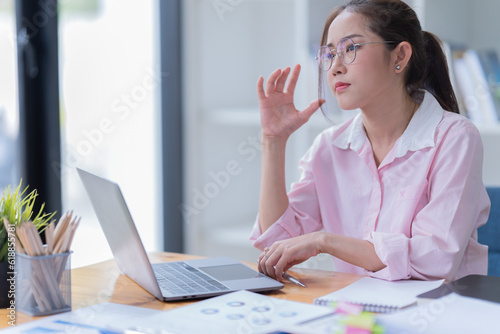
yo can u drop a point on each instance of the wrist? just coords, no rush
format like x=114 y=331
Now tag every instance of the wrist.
x=273 y=142
x=325 y=242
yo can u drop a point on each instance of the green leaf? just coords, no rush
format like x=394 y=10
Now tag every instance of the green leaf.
x=3 y=252
x=17 y=206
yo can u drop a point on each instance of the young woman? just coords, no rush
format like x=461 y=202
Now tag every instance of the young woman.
x=396 y=192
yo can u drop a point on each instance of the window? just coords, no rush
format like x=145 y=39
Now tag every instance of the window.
x=9 y=110
x=109 y=84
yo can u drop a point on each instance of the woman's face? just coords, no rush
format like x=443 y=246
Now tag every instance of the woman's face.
x=367 y=79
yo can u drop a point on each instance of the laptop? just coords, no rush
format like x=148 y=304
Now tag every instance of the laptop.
x=168 y=281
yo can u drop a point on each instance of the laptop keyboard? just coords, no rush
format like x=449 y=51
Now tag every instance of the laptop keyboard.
x=179 y=278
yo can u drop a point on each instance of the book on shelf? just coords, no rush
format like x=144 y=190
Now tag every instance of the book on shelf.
x=491 y=67
x=378 y=295
x=475 y=77
x=481 y=87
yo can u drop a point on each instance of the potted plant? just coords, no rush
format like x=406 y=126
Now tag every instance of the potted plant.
x=15 y=207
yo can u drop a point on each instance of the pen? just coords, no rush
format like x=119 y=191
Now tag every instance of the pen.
x=293 y=280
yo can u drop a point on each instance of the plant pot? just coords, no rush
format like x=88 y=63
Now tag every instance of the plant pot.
x=5 y=285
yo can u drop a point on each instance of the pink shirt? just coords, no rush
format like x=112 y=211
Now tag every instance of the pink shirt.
x=420 y=208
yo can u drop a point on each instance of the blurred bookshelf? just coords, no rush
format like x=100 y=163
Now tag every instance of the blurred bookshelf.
x=469 y=30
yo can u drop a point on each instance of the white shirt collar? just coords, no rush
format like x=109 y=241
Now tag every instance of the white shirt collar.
x=418 y=135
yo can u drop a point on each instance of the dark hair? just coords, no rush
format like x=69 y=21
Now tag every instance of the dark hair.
x=394 y=20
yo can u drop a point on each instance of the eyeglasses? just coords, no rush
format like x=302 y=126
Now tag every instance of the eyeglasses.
x=346 y=50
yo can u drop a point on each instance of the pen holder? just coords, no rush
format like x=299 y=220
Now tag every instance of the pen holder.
x=43 y=284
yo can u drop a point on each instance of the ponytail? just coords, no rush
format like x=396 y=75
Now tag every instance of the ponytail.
x=437 y=79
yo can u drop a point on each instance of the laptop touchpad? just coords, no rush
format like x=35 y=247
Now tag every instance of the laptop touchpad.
x=230 y=272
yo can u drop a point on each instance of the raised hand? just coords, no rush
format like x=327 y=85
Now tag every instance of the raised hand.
x=278 y=116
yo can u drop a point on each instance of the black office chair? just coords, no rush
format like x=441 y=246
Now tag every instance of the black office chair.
x=489 y=234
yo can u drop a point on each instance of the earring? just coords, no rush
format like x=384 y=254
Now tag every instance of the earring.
x=398 y=67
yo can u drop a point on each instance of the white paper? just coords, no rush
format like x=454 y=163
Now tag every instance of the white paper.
x=100 y=318
x=450 y=314
x=238 y=312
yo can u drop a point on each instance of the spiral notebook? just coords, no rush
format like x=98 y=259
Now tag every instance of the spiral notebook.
x=378 y=295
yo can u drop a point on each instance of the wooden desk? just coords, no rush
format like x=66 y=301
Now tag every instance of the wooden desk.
x=103 y=282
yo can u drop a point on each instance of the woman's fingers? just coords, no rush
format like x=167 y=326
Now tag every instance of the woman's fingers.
x=259 y=264
x=282 y=266
x=294 y=77
x=311 y=109
x=271 y=81
x=270 y=259
x=261 y=94
x=269 y=265
x=277 y=81
x=280 y=83
x=261 y=261
x=265 y=263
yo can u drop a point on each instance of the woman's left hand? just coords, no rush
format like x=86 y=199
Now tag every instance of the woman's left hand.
x=282 y=255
